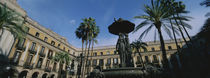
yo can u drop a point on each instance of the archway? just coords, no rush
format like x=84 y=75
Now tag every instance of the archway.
x=23 y=74
x=35 y=75
x=44 y=75
x=52 y=76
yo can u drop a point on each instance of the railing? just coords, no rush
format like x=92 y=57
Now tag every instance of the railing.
x=32 y=51
x=42 y=54
x=47 y=69
x=28 y=66
x=20 y=47
x=50 y=57
x=108 y=64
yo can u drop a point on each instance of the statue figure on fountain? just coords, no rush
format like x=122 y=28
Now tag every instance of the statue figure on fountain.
x=123 y=48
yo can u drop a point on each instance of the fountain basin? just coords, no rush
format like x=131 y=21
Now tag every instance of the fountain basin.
x=125 y=72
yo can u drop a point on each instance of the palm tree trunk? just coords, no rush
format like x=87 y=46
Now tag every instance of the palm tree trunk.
x=83 y=67
x=164 y=56
x=88 y=53
x=141 y=58
x=181 y=32
x=81 y=59
x=177 y=46
x=91 y=53
x=185 y=29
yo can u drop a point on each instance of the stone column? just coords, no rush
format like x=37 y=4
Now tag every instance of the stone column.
x=170 y=65
x=178 y=61
x=151 y=59
x=3 y=37
x=134 y=61
x=105 y=62
x=45 y=59
x=8 y=43
x=24 y=54
x=112 y=62
x=36 y=56
x=160 y=63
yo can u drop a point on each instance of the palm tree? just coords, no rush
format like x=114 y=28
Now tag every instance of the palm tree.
x=10 y=20
x=137 y=45
x=62 y=57
x=206 y=2
x=93 y=34
x=81 y=34
x=157 y=15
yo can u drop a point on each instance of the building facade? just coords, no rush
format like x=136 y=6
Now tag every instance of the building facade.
x=33 y=55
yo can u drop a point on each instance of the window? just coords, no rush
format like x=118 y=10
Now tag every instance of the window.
x=73 y=53
x=27 y=29
x=88 y=63
x=37 y=34
x=50 y=53
x=42 y=50
x=101 y=62
x=54 y=66
x=16 y=57
x=115 y=52
x=52 y=42
x=68 y=51
x=95 y=54
x=64 y=48
x=39 y=64
x=153 y=49
x=45 y=39
x=29 y=59
x=155 y=58
x=94 y=62
x=160 y=48
x=169 y=48
x=33 y=46
x=101 y=53
x=115 y=60
x=107 y=52
x=47 y=64
x=59 y=45
x=109 y=61
x=138 y=59
x=147 y=59
x=21 y=42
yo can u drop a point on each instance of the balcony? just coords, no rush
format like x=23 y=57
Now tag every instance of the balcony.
x=108 y=64
x=19 y=47
x=42 y=54
x=32 y=51
x=138 y=62
x=50 y=57
x=47 y=69
x=28 y=66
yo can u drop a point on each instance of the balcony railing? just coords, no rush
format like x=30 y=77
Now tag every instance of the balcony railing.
x=28 y=66
x=50 y=57
x=32 y=51
x=19 y=47
x=42 y=54
x=138 y=62
x=47 y=69
x=108 y=64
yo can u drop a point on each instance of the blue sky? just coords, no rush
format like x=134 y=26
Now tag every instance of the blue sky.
x=64 y=16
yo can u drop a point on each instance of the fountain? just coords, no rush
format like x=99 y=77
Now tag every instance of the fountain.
x=122 y=28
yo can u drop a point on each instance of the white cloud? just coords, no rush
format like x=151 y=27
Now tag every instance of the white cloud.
x=73 y=22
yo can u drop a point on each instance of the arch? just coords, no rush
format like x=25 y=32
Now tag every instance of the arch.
x=35 y=75
x=44 y=75
x=52 y=76
x=23 y=74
